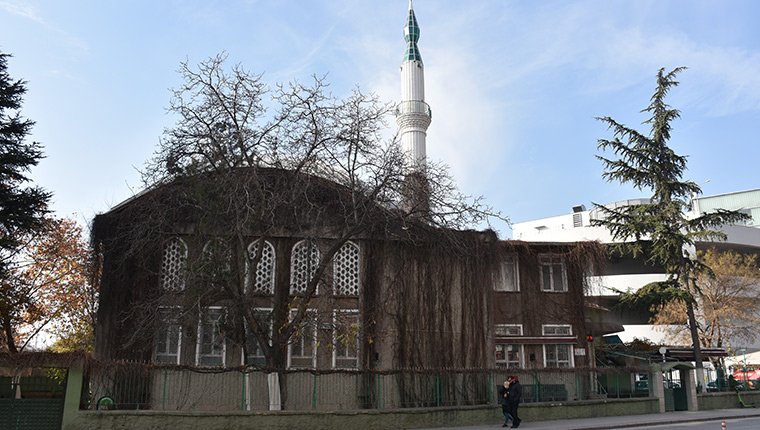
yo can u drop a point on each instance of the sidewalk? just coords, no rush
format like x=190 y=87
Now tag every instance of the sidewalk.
x=618 y=422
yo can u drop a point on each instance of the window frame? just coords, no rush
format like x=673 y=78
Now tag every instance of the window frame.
x=252 y=275
x=358 y=270
x=570 y=353
x=294 y=290
x=335 y=357
x=177 y=281
x=500 y=285
x=310 y=314
x=244 y=357
x=519 y=328
x=204 y=312
x=552 y=261
x=167 y=314
x=504 y=339
x=568 y=326
x=207 y=254
x=506 y=362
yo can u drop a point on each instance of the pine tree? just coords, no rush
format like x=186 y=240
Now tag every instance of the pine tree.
x=22 y=207
x=659 y=231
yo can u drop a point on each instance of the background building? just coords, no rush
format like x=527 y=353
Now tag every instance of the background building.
x=624 y=273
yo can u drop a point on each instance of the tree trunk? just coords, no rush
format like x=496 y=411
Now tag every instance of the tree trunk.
x=10 y=342
x=695 y=344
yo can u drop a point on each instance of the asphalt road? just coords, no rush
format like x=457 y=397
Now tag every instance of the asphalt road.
x=736 y=419
x=731 y=424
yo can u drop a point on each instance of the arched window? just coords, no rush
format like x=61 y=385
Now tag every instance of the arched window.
x=262 y=279
x=174 y=265
x=346 y=270
x=304 y=260
x=216 y=263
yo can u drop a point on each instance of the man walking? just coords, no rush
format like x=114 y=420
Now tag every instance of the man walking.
x=514 y=395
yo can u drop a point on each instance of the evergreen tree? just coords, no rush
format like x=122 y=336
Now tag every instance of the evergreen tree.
x=22 y=207
x=659 y=231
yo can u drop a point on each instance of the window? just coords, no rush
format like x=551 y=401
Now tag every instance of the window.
x=552 y=273
x=262 y=280
x=346 y=339
x=304 y=261
x=211 y=345
x=168 y=337
x=346 y=270
x=577 y=219
x=216 y=263
x=173 y=265
x=557 y=330
x=558 y=355
x=302 y=348
x=508 y=330
x=255 y=354
x=508 y=278
x=508 y=355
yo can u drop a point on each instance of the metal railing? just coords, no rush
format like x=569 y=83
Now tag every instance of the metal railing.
x=140 y=386
x=414 y=106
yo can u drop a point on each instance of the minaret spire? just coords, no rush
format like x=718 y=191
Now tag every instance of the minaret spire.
x=413 y=115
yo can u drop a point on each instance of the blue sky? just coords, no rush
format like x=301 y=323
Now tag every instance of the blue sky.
x=514 y=85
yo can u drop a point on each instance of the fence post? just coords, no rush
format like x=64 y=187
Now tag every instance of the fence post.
x=314 y=393
x=437 y=381
x=163 y=395
x=74 y=382
x=490 y=388
x=242 y=391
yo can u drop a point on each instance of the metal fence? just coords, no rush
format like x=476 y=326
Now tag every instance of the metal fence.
x=140 y=386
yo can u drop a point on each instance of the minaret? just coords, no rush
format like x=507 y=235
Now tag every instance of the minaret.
x=413 y=114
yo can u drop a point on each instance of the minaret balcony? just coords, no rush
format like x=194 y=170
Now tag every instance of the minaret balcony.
x=414 y=107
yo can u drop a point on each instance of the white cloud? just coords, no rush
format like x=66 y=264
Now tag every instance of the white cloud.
x=22 y=9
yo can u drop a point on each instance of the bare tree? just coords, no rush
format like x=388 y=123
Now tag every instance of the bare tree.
x=728 y=300
x=248 y=161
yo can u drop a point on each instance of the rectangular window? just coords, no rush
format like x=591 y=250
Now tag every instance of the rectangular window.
x=508 y=355
x=577 y=219
x=508 y=330
x=507 y=277
x=302 y=348
x=557 y=330
x=211 y=345
x=255 y=354
x=552 y=273
x=168 y=337
x=558 y=355
x=346 y=339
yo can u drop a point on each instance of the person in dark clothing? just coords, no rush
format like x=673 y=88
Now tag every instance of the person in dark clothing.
x=514 y=396
x=502 y=392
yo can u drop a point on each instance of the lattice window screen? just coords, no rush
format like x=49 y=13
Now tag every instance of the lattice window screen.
x=173 y=265
x=346 y=270
x=262 y=281
x=304 y=261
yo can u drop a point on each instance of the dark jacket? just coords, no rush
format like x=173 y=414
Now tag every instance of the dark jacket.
x=502 y=393
x=514 y=392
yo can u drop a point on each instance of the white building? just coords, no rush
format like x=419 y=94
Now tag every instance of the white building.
x=625 y=273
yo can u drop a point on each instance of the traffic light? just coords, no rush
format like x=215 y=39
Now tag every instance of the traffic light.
x=590 y=338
